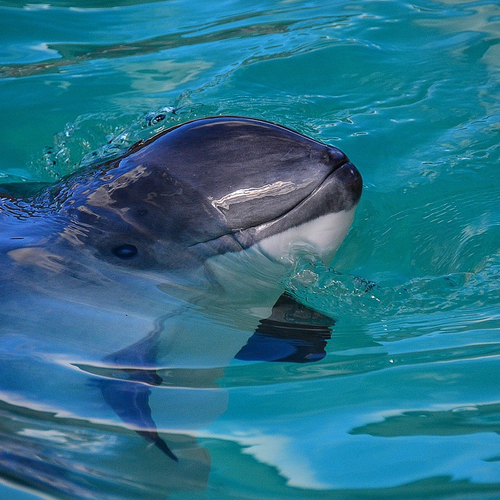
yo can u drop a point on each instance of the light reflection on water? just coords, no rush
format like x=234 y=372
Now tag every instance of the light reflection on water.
x=405 y=402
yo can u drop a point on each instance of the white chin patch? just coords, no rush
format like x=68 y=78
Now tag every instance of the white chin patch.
x=321 y=237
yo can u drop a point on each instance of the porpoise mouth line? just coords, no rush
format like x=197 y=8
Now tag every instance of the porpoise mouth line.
x=234 y=234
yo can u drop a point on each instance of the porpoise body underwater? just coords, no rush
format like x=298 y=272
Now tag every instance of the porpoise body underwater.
x=171 y=256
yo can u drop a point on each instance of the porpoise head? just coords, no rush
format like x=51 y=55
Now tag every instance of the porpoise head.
x=210 y=187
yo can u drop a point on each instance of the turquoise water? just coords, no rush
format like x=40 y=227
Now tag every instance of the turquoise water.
x=406 y=403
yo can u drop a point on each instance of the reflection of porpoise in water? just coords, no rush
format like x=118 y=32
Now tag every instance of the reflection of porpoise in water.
x=112 y=263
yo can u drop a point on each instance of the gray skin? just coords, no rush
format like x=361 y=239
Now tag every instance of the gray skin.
x=168 y=196
x=99 y=268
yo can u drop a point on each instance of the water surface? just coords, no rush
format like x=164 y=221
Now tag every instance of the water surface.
x=406 y=402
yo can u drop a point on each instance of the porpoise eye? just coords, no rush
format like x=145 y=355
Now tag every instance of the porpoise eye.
x=125 y=252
